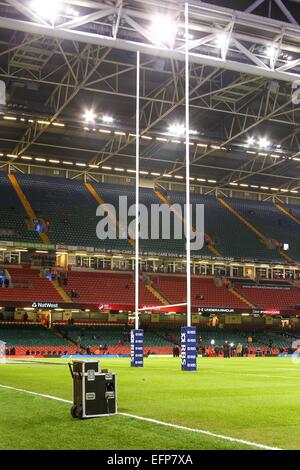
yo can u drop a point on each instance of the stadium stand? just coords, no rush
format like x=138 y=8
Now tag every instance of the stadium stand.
x=27 y=285
x=107 y=287
x=12 y=215
x=70 y=209
x=221 y=225
x=54 y=199
x=268 y=219
x=270 y=297
x=33 y=339
x=173 y=288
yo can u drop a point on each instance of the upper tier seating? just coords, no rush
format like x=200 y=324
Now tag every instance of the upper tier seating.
x=222 y=226
x=29 y=287
x=279 y=299
x=107 y=288
x=13 y=215
x=110 y=193
x=70 y=209
x=174 y=289
x=271 y=222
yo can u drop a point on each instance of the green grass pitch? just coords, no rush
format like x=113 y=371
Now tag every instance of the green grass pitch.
x=250 y=399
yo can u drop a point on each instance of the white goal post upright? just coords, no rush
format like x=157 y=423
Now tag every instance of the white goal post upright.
x=2 y=352
x=187 y=176
x=188 y=333
x=137 y=190
x=137 y=335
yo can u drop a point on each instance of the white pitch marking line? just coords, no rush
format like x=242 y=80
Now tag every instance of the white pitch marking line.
x=201 y=431
x=155 y=421
x=35 y=393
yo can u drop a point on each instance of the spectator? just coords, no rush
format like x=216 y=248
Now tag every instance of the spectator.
x=74 y=294
x=226 y=349
x=239 y=349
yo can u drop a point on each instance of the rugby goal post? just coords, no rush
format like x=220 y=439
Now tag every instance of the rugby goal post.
x=2 y=352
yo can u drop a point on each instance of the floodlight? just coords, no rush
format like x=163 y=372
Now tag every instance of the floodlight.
x=71 y=12
x=163 y=29
x=263 y=142
x=212 y=342
x=107 y=119
x=251 y=141
x=271 y=52
x=177 y=130
x=47 y=9
x=221 y=39
x=89 y=115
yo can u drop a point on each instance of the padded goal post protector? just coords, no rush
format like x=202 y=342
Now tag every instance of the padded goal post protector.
x=2 y=352
x=188 y=348
x=137 y=348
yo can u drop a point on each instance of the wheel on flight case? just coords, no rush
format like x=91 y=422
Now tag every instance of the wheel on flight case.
x=76 y=412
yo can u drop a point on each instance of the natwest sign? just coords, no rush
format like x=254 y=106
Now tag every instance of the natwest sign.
x=49 y=305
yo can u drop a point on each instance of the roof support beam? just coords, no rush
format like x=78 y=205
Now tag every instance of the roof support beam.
x=231 y=63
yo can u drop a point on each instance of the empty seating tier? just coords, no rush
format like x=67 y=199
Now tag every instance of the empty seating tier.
x=27 y=285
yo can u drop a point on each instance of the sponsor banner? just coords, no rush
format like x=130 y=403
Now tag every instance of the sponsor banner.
x=3 y=243
x=188 y=348
x=35 y=246
x=137 y=348
x=247 y=286
x=47 y=305
x=217 y=310
x=269 y=311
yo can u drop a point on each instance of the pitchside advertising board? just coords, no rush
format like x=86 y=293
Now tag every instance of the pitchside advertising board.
x=188 y=348
x=137 y=348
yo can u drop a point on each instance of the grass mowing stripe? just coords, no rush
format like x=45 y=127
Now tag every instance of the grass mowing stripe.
x=155 y=421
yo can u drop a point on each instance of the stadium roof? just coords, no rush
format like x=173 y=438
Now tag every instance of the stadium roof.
x=57 y=65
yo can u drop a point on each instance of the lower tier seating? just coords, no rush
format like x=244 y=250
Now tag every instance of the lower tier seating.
x=30 y=336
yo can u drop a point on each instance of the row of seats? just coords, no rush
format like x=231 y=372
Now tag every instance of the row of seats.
x=271 y=222
x=107 y=288
x=118 y=288
x=27 y=285
x=108 y=335
x=12 y=215
x=219 y=336
x=270 y=298
x=228 y=234
x=204 y=292
x=117 y=338
x=71 y=211
x=30 y=336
